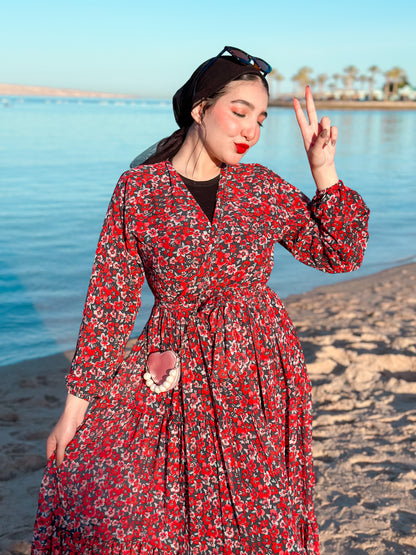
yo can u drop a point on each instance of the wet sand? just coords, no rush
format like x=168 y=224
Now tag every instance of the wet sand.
x=359 y=338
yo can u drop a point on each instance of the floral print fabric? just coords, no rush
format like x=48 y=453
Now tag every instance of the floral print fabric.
x=222 y=464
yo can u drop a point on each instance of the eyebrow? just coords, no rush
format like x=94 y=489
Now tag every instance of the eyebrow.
x=248 y=104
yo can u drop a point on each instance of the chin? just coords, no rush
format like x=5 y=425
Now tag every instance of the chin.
x=231 y=159
x=234 y=159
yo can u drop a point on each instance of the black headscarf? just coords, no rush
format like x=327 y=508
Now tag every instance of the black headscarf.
x=204 y=83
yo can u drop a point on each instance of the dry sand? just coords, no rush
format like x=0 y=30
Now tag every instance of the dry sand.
x=350 y=104
x=359 y=338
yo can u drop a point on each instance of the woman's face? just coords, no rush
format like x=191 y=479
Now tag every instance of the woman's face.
x=232 y=125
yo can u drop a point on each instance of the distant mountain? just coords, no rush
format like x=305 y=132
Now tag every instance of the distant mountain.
x=32 y=90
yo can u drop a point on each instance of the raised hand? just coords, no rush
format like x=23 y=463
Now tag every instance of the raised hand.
x=319 y=139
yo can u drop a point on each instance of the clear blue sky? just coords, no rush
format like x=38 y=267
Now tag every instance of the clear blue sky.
x=149 y=47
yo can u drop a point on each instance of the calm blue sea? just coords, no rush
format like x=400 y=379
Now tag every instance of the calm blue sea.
x=59 y=163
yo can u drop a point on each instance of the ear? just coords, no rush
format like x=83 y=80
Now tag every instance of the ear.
x=198 y=112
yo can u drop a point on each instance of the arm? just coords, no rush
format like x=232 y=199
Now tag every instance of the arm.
x=319 y=139
x=328 y=232
x=112 y=302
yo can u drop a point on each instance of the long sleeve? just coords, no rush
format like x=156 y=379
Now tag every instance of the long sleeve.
x=329 y=232
x=112 y=302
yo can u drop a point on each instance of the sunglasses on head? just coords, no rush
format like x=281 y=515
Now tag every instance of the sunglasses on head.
x=241 y=56
x=245 y=58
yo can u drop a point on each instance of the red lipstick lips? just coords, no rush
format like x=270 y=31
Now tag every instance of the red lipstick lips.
x=241 y=147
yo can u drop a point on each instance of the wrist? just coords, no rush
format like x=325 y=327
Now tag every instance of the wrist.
x=75 y=407
x=325 y=177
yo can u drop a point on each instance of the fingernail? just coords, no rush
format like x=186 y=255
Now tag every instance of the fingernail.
x=324 y=133
x=333 y=143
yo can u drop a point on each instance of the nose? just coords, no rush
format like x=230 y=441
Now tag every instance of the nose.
x=249 y=129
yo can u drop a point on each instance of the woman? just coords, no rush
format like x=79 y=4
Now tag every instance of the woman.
x=220 y=463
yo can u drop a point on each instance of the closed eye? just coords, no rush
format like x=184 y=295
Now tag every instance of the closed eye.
x=239 y=115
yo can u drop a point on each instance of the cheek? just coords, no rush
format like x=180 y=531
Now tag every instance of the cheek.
x=227 y=123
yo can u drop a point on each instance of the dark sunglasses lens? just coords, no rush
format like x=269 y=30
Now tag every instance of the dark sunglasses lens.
x=263 y=66
x=244 y=57
x=240 y=54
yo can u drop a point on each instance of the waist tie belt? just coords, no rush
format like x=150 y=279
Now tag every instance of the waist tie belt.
x=185 y=307
x=164 y=365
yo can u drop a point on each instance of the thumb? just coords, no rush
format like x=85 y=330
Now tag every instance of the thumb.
x=50 y=446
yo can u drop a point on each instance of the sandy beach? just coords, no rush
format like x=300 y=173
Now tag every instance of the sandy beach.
x=350 y=104
x=7 y=89
x=359 y=339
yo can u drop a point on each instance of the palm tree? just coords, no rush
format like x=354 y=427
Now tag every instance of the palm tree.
x=351 y=75
x=303 y=77
x=332 y=87
x=321 y=79
x=387 y=83
x=373 y=71
x=276 y=78
x=362 y=79
x=397 y=76
x=346 y=85
x=336 y=77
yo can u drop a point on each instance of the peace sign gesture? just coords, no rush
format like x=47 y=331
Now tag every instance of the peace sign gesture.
x=319 y=139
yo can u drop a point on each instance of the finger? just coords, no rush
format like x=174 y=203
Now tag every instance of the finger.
x=334 y=135
x=310 y=108
x=300 y=116
x=322 y=139
x=325 y=123
x=50 y=446
x=60 y=454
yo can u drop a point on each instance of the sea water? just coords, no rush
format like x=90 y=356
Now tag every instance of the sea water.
x=60 y=160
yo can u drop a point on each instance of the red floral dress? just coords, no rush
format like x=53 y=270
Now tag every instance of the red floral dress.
x=222 y=464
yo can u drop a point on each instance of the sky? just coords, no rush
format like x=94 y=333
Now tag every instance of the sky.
x=149 y=48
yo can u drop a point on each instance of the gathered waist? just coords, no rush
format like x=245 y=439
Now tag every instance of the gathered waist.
x=216 y=312
x=212 y=299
